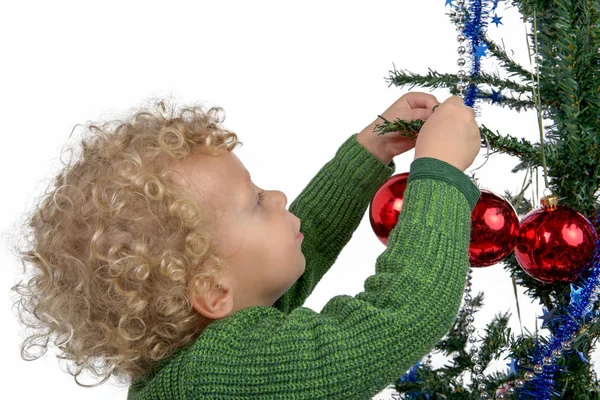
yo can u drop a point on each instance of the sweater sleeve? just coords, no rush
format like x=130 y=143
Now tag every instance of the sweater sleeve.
x=331 y=207
x=357 y=345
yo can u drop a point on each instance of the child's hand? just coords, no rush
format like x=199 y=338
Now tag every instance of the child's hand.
x=450 y=135
x=411 y=106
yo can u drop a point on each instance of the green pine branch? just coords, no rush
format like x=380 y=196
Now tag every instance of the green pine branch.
x=507 y=102
x=436 y=80
x=507 y=144
x=521 y=204
x=447 y=381
x=512 y=67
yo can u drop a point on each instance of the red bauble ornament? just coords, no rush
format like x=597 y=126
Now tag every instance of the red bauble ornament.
x=386 y=205
x=494 y=230
x=555 y=242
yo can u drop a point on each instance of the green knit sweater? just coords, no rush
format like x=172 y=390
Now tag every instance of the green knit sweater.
x=357 y=345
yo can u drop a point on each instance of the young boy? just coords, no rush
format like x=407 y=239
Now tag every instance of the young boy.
x=190 y=280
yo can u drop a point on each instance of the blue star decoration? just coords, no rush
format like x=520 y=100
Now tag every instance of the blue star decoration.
x=547 y=317
x=575 y=295
x=582 y=357
x=448 y=2
x=496 y=97
x=495 y=2
x=513 y=367
x=411 y=376
x=496 y=20
x=480 y=50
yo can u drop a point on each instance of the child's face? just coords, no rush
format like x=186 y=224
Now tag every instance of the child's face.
x=259 y=240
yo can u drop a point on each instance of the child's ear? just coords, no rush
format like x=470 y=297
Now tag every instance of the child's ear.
x=215 y=301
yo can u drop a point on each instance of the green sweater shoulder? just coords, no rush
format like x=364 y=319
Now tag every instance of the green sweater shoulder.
x=357 y=345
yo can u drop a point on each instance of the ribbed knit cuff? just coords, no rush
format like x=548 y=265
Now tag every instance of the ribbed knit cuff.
x=427 y=167
x=355 y=165
x=435 y=204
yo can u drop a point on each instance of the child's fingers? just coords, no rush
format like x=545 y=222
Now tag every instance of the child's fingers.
x=421 y=113
x=421 y=100
x=455 y=100
x=459 y=101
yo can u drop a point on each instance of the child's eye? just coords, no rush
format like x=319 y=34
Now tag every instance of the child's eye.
x=261 y=196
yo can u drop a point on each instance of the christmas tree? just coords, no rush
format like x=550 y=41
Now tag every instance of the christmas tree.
x=562 y=85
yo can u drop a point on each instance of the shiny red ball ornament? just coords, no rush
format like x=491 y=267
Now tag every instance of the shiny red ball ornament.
x=386 y=205
x=556 y=243
x=494 y=230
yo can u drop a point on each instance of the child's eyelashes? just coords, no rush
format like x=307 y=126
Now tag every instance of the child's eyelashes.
x=261 y=196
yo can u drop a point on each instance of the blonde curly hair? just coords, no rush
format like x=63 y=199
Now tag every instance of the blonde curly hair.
x=115 y=243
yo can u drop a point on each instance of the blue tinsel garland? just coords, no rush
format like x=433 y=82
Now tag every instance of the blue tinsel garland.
x=475 y=26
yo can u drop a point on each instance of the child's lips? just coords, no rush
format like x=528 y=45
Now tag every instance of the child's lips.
x=300 y=236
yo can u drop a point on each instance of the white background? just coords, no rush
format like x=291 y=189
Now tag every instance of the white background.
x=295 y=80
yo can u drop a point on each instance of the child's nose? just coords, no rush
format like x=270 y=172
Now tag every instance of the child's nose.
x=282 y=196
